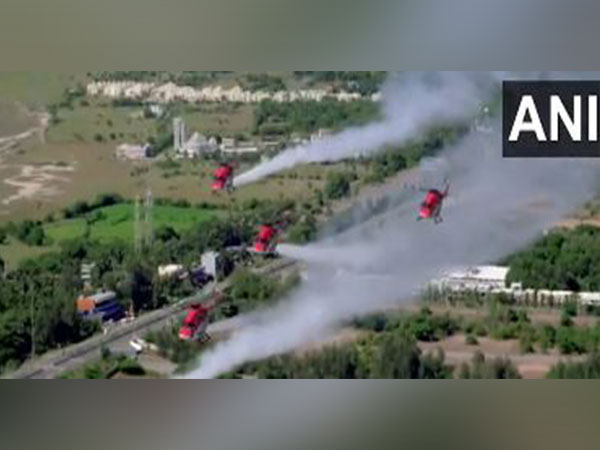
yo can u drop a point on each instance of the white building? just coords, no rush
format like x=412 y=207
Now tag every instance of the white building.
x=197 y=145
x=228 y=142
x=134 y=152
x=322 y=133
x=210 y=262
x=156 y=110
x=478 y=278
x=241 y=149
x=170 y=92
x=492 y=280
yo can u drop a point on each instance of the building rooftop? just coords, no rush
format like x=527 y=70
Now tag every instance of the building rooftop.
x=497 y=273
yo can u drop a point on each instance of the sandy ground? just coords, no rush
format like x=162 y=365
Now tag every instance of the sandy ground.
x=39 y=129
x=35 y=182
x=457 y=351
x=573 y=223
x=30 y=181
x=530 y=366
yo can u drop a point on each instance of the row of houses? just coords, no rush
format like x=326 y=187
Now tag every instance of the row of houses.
x=170 y=92
x=493 y=280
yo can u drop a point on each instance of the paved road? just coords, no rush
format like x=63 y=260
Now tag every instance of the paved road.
x=52 y=364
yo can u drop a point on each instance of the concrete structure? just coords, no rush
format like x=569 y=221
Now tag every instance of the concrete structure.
x=86 y=273
x=211 y=263
x=478 y=278
x=179 y=134
x=198 y=144
x=134 y=152
x=193 y=147
x=492 y=280
x=157 y=110
x=322 y=133
x=228 y=142
x=241 y=149
x=170 y=270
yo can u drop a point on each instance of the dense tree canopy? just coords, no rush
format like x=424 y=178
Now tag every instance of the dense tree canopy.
x=273 y=117
x=564 y=259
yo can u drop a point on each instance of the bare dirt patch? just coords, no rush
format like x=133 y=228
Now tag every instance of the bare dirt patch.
x=532 y=366
x=15 y=119
x=36 y=182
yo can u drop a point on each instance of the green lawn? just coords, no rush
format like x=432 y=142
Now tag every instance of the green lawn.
x=117 y=222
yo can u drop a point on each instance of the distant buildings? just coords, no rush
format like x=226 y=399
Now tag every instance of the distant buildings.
x=193 y=147
x=156 y=110
x=322 y=133
x=240 y=149
x=102 y=306
x=492 y=280
x=86 y=274
x=479 y=278
x=134 y=152
x=170 y=92
x=209 y=268
x=198 y=144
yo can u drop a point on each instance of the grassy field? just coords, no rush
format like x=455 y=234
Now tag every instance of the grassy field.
x=96 y=170
x=117 y=222
x=226 y=120
x=83 y=123
x=83 y=167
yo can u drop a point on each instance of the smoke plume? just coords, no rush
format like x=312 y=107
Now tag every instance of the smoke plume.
x=412 y=103
x=495 y=207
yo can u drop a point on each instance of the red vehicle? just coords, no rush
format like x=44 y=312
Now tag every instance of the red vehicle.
x=223 y=178
x=195 y=324
x=431 y=207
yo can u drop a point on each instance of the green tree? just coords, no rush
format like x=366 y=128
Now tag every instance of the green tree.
x=587 y=369
x=337 y=185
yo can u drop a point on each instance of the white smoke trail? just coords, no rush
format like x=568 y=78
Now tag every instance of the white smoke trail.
x=412 y=103
x=498 y=206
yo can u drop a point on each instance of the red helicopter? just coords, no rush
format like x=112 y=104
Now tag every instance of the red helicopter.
x=268 y=234
x=195 y=323
x=431 y=207
x=266 y=241
x=223 y=178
